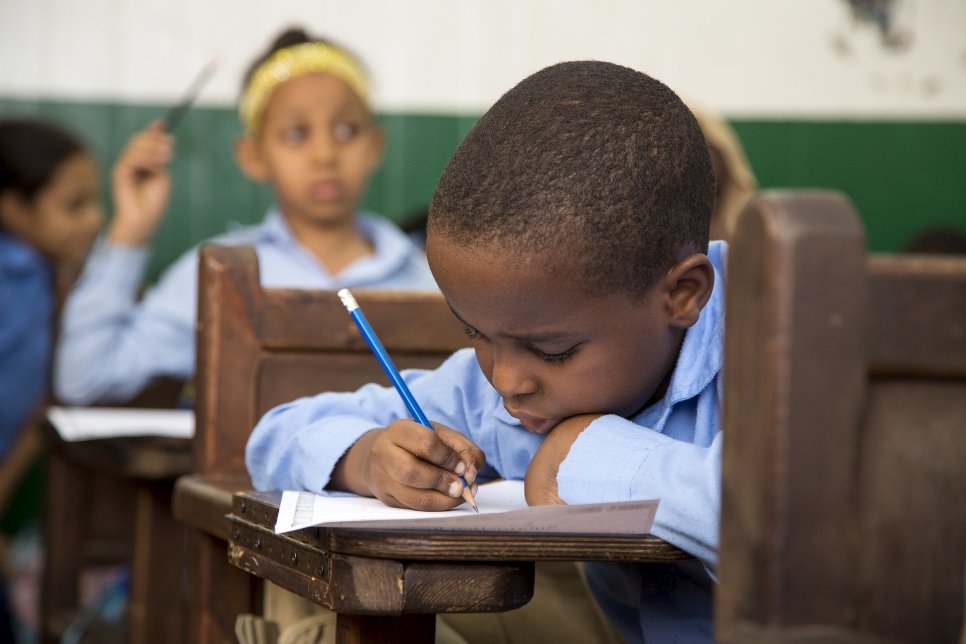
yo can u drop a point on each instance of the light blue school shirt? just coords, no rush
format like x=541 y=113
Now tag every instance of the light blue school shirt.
x=26 y=333
x=111 y=346
x=670 y=451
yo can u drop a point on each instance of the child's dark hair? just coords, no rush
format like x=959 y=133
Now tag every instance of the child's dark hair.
x=598 y=166
x=31 y=151
x=289 y=37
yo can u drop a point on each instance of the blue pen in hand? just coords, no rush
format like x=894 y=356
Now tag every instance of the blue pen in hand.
x=387 y=365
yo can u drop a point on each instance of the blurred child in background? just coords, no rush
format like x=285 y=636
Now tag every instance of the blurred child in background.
x=50 y=211
x=49 y=215
x=310 y=133
x=735 y=181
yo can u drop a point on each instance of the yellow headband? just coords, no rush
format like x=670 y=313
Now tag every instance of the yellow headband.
x=296 y=60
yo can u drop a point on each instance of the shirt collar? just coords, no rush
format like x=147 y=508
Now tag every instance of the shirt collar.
x=702 y=352
x=391 y=247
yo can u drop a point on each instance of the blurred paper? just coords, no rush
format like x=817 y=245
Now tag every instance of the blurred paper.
x=88 y=423
x=502 y=506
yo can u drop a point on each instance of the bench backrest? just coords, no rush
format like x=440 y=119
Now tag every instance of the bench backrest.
x=845 y=433
x=258 y=348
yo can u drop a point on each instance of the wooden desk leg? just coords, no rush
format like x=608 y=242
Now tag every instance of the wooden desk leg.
x=217 y=591
x=158 y=567
x=369 y=629
x=66 y=507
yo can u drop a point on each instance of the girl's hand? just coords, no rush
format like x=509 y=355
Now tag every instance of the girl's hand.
x=407 y=465
x=141 y=186
x=540 y=482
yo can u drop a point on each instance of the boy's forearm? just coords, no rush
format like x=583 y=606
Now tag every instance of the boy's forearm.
x=349 y=474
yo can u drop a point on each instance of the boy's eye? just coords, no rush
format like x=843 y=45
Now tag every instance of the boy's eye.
x=472 y=333
x=345 y=131
x=555 y=357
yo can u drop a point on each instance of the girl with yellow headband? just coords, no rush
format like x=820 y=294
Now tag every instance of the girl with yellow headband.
x=309 y=132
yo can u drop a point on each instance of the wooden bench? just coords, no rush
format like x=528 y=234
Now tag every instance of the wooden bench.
x=261 y=347
x=845 y=422
x=258 y=348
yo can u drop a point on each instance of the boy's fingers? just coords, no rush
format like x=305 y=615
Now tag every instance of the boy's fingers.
x=423 y=500
x=410 y=471
x=469 y=458
x=424 y=443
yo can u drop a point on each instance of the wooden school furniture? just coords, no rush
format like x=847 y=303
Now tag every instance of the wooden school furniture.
x=844 y=467
x=108 y=503
x=258 y=348
x=387 y=585
x=261 y=347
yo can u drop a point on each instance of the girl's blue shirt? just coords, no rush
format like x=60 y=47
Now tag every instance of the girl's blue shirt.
x=111 y=345
x=26 y=334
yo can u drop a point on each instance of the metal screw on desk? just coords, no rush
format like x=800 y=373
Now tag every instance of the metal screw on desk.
x=258 y=543
x=295 y=558
x=243 y=506
x=235 y=533
x=320 y=570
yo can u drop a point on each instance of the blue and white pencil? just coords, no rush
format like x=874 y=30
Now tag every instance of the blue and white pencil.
x=387 y=365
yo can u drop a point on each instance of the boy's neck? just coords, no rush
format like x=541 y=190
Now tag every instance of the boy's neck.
x=334 y=245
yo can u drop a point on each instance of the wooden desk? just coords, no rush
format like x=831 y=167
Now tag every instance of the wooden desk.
x=108 y=502
x=388 y=584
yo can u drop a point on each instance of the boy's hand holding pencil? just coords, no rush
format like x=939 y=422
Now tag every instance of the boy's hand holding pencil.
x=404 y=464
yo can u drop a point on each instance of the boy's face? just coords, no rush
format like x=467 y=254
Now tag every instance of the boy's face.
x=317 y=146
x=551 y=349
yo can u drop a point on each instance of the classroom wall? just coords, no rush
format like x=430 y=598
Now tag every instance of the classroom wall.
x=819 y=96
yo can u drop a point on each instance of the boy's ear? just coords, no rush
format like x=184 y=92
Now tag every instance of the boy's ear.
x=689 y=286
x=249 y=158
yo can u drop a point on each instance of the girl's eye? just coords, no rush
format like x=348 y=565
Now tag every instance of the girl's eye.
x=472 y=333
x=345 y=131
x=295 y=134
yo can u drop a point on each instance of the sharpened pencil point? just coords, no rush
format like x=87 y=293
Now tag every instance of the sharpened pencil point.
x=468 y=497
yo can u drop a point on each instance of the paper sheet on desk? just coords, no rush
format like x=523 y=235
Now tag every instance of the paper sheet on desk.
x=87 y=423
x=502 y=508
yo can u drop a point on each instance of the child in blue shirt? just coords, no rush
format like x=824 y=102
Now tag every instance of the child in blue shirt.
x=49 y=213
x=569 y=234
x=311 y=134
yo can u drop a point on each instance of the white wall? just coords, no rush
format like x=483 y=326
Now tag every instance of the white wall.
x=747 y=58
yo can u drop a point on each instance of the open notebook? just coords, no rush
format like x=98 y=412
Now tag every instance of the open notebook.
x=502 y=508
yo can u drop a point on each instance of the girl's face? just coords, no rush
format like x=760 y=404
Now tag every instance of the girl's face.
x=63 y=218
x=317 y=146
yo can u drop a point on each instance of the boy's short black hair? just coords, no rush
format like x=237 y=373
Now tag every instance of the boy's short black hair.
x=600 y=168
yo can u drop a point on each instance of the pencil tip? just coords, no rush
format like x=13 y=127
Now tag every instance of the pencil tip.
x=475 y=509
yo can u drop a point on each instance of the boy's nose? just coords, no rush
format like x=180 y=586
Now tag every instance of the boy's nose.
x=510 y=378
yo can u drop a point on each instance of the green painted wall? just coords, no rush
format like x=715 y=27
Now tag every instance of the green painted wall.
x=903 y=176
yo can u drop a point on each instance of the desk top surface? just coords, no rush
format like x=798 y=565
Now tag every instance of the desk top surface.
x=255 y=513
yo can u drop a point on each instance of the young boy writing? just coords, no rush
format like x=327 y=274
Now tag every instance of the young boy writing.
x=569 y=234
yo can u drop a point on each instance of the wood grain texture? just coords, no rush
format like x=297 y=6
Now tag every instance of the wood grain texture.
x=844 y=418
